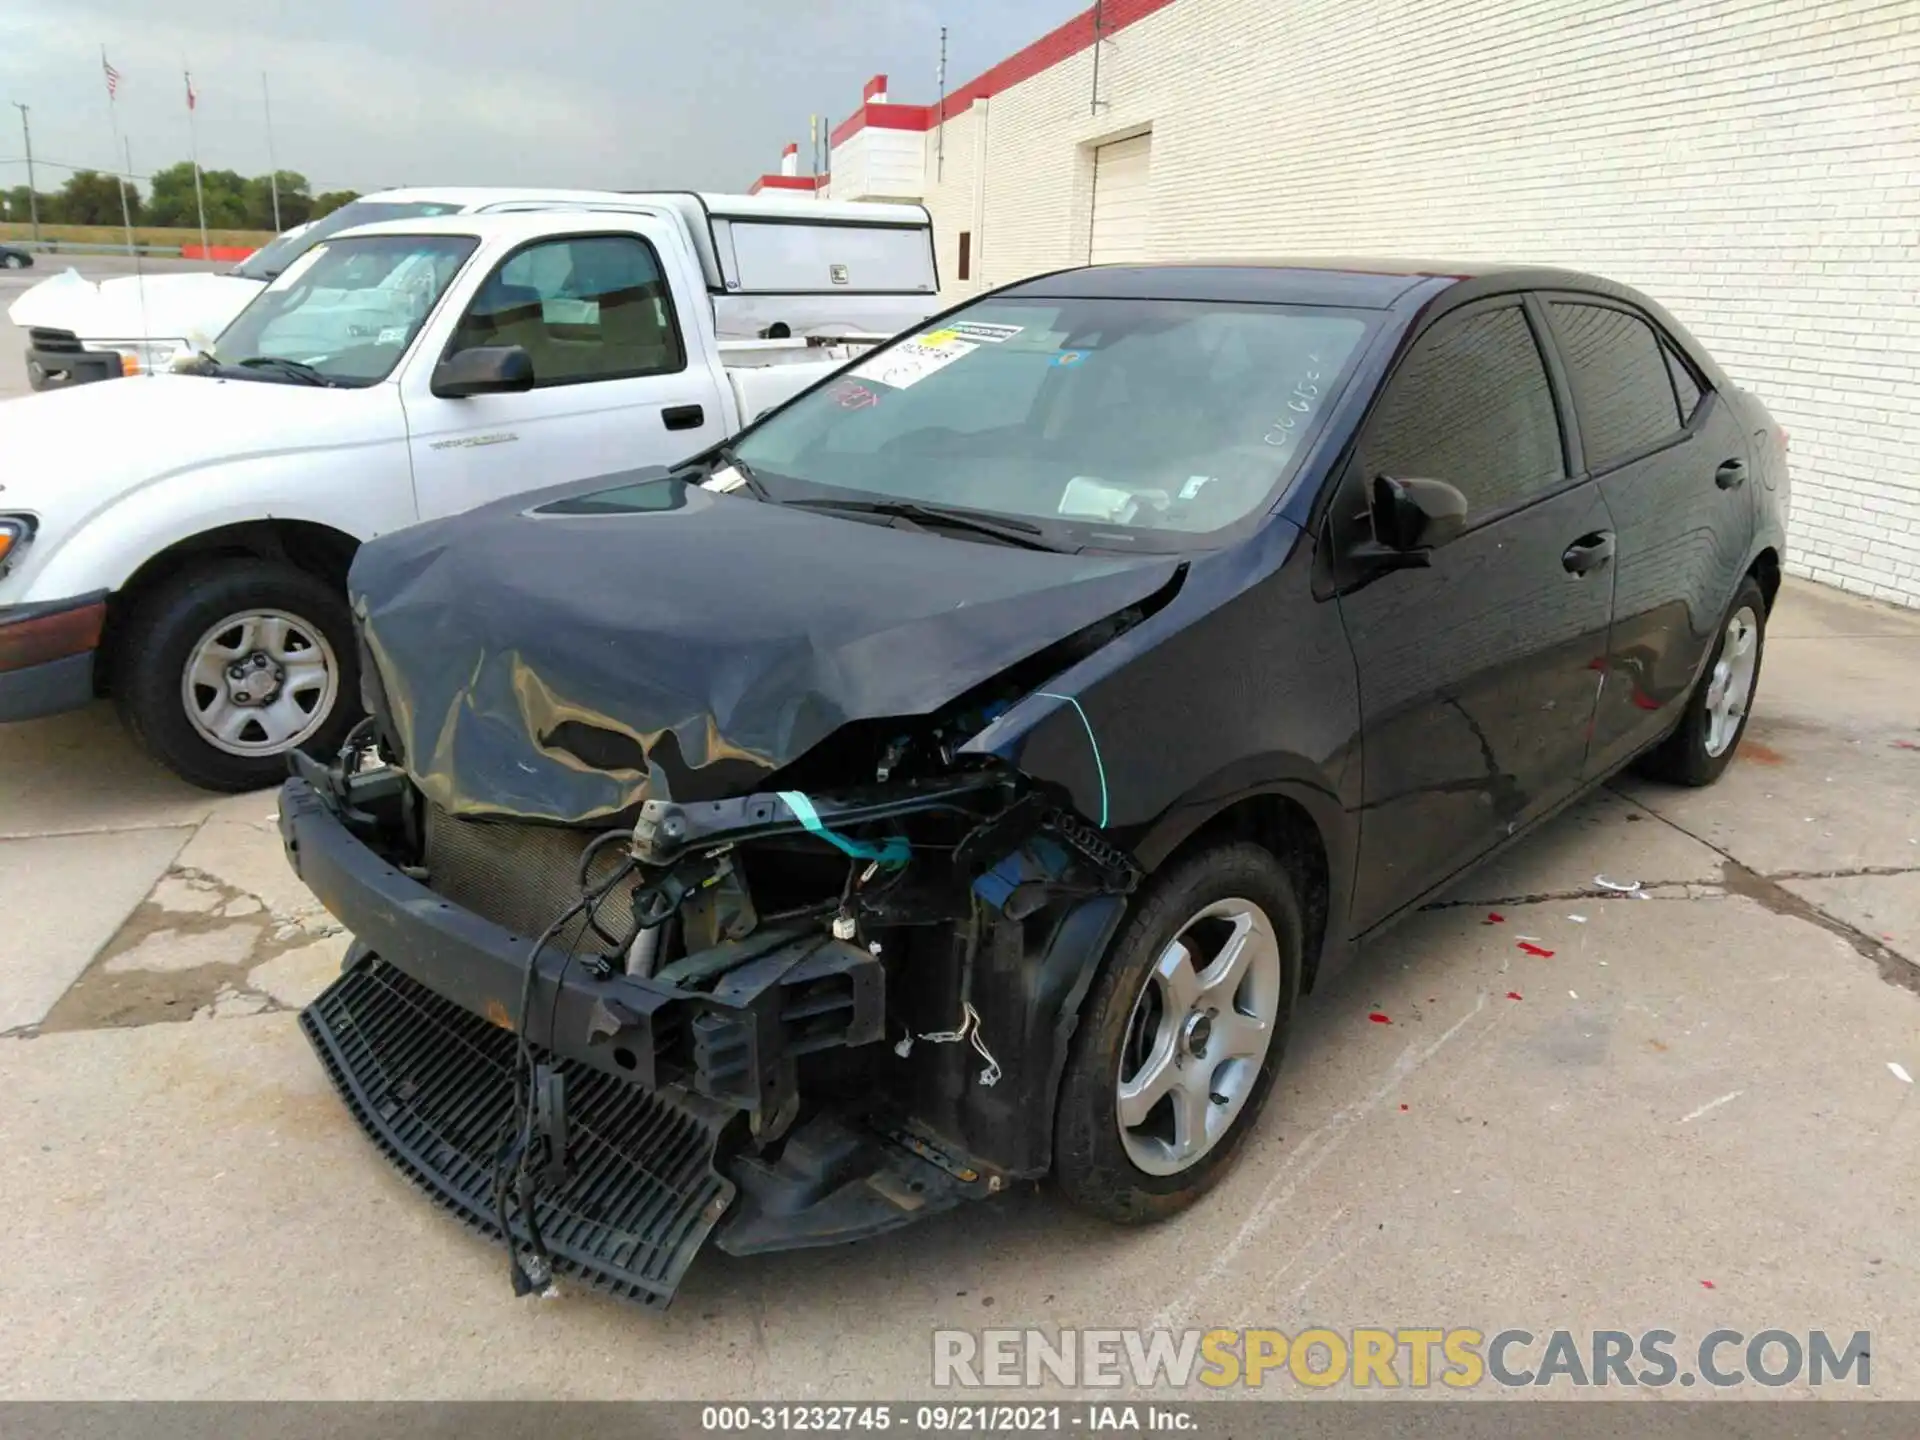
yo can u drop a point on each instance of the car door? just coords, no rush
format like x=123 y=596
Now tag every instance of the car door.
x=620 y=379
x=1477 y=673
x=1671 y=457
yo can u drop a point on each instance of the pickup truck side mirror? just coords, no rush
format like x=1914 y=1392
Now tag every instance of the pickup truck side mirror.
x=1411 y=518
x=483 y=370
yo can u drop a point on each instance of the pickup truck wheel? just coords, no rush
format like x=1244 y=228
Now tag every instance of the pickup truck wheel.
x=1181 y=1037
x=1702 y=745
x=223 y=671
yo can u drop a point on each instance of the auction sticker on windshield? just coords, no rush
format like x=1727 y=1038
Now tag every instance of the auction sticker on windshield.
x=911 y=361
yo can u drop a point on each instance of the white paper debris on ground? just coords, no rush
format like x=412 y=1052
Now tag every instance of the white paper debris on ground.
x=1528 y=940
x=1619 y=887
x=1573 y=994
x=1899 y=1072
x=1711 y=1105
x=1578 y=919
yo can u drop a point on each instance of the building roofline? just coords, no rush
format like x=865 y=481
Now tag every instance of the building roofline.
x=1060 y=43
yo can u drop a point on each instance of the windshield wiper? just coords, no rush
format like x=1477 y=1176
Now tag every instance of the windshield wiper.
x=296 y=369
x=749 y=481
x=1013 y=532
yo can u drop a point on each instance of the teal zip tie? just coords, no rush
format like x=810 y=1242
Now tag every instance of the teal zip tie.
x=894 y=852
x=1098 y=764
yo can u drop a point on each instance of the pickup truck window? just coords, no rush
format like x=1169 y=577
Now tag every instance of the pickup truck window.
x=276 y=255
x=348 y=310
x=1139 y=423
x=586 y=307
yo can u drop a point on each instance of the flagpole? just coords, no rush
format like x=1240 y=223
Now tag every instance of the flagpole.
x=273 y=165
x=193 y=145
x=113 y=117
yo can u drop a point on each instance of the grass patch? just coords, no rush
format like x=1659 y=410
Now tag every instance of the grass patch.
x=142 y=235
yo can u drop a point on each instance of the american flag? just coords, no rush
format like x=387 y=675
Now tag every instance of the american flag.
x=113 y=76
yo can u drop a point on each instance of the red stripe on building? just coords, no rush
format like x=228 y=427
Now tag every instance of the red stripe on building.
x=786 y=182
x=1061 y=43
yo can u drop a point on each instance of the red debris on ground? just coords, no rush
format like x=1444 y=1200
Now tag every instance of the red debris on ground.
x=1533 y=949
x=1403 y=1107
x=1513 y=994
x=1377 y=1018
x=1906 y=745
x=1494 y=917
x=1706 y=1284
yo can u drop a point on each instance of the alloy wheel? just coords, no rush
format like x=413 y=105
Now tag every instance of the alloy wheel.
x=1199 y=1033
x=1730 y=687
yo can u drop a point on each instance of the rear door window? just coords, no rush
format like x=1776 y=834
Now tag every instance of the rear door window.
x=1622 y=387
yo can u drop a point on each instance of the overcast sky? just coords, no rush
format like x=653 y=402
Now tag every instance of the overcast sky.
x=369 y=93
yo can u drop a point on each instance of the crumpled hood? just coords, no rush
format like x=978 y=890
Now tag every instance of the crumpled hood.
x=191 y=306
x=536 y=663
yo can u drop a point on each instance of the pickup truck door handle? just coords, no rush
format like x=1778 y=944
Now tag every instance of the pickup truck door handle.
x=1731 y=473
x=1589 y=552
x=683 y=417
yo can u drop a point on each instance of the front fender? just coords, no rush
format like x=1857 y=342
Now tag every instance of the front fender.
x=362 y=493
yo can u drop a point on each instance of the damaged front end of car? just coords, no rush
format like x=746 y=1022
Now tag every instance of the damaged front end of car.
x=799 y=1014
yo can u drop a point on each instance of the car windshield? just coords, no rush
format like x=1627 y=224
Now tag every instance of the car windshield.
x=1134 y=423
x=277 y=254
x=346 y=310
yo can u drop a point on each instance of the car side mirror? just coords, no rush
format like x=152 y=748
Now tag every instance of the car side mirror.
x=483 y=370
x=1411 y=515
x=1410 y=519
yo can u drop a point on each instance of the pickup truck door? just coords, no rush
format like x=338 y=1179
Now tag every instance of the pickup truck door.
x=624 y=362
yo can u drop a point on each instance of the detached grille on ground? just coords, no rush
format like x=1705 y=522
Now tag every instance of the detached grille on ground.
x=431 y=1084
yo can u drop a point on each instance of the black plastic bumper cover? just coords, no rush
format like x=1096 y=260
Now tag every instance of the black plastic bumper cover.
x=56 y=361
x=432 y=1084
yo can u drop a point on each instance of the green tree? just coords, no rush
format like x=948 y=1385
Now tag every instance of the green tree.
x=332 y=200
x=296 y=204
x=89 y=198
x=171 y=198
x=226 y=199
x=19 y=206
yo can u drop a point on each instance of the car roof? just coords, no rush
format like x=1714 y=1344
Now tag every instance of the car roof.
x=1359 y=283
x=511 y=224
x=750 y=207
x=477 y=195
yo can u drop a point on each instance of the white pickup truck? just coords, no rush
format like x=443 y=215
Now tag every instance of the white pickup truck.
x=180 y=541
x=750 y=247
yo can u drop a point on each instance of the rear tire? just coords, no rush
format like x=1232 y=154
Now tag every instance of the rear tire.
x=1702 y=745
x=226 y=669
x=1151 y=1030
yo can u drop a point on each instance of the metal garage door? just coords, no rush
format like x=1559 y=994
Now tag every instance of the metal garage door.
x=1120 y=200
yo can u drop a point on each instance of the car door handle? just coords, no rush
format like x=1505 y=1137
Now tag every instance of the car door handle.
x=1731 y=473
x=1589 y=552
x=683 y=417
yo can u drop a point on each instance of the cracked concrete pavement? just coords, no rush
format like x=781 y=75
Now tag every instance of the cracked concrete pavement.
x=1686 y=1116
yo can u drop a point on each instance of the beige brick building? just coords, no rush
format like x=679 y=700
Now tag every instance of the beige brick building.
x=1753 y=164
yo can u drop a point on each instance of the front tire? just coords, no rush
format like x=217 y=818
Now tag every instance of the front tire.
x=1702 y=745
x=14 y=262
x=1181 y=1037
x=225 y=670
